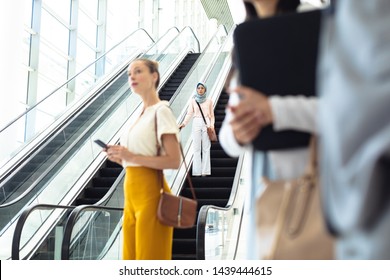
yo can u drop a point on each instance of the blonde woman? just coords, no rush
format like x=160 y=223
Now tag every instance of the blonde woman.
x=144 y=237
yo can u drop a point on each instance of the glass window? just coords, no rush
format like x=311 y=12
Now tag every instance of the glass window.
x=60 y=8
x=27 y=14
x=87 y=26
x=90 y=7
x=53 y=67
x=54 y=32
x=84 y=55
x=166 y=19
x=122 y=19
x=23 y=75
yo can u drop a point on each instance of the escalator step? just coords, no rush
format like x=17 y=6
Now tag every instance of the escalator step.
x=103 y=181
x=215 y=202
x=184 y=233
x=184 y=246
x=218 y=154
x=112 y=164
x=110 y=172
x=223 y=171
x=212 y=182
x=183 y=257
x=95 y=192
x=224 y=162
x=219 y=118
x=204 y=193
x=86 y=201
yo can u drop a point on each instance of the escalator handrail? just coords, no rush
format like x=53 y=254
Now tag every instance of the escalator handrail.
x=70 y=223
x=58 y=159
x=65 y=248
x=162 y=37
x=102 y=86
x=101 y=201
x=21 y=222
x=196 y=63
x=91 y=125
x=177 y=36
x=72 y=219
x=208 y=70
x=70 y=79
x=203 y=212
x=76 y=212
x=207 y=74
x=193 y=33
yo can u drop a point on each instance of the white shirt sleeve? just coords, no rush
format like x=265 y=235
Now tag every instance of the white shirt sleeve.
x=294 y=112
x=166 y=123
x=226 y=136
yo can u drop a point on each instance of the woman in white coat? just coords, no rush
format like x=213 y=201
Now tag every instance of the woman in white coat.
x=248 y=111
x=201 y=165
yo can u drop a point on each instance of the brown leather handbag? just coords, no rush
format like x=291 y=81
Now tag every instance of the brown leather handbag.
x=173 y=210
x=212 y=134
x=290 y=222
x=176 y=211
x=210 y=131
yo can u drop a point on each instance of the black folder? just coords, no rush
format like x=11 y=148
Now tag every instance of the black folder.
x=278 y=56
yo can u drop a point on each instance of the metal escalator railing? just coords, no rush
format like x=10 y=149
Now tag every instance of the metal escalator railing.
x=42 y=212
x=28 y=128
x=95 y=228
x=199 y=69
x=225 y=221
x=17 y=180
x=176 y=181
x=175 y=178
x=67 y=179
x=219 y=228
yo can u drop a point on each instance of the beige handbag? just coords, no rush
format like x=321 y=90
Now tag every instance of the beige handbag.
x=289 y=219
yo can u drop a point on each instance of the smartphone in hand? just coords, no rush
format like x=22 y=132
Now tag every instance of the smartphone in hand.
x=101 y=143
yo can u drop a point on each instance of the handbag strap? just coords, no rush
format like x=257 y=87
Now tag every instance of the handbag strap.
x=160 y=172
x=312 y=166
x=200 y=108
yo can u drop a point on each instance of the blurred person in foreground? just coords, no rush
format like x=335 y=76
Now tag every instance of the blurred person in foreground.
x=249 y=111
x=354 y=85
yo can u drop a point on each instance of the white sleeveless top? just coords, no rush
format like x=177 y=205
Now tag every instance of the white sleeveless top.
x=141 y=137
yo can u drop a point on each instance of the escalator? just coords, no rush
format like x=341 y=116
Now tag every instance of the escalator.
x=178 y=76
x=210 y=190
x=106 y=176
x=108 y=173
x=54 y=171
x=62 y=139
x=86 y=230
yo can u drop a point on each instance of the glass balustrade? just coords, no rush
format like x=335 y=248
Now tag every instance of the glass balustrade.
x=38 y=119
x=64 y=178
x=83 y=243
x=222 y=226
x=204 y=65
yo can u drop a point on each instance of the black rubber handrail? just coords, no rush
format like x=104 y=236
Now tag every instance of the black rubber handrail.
x=203 y=212
x=72 y=219
x=31 y=187
x=65 y=253
x=22 y=220
x=70 y=79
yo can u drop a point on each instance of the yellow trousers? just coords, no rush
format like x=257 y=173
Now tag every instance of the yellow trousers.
x=144 y=237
